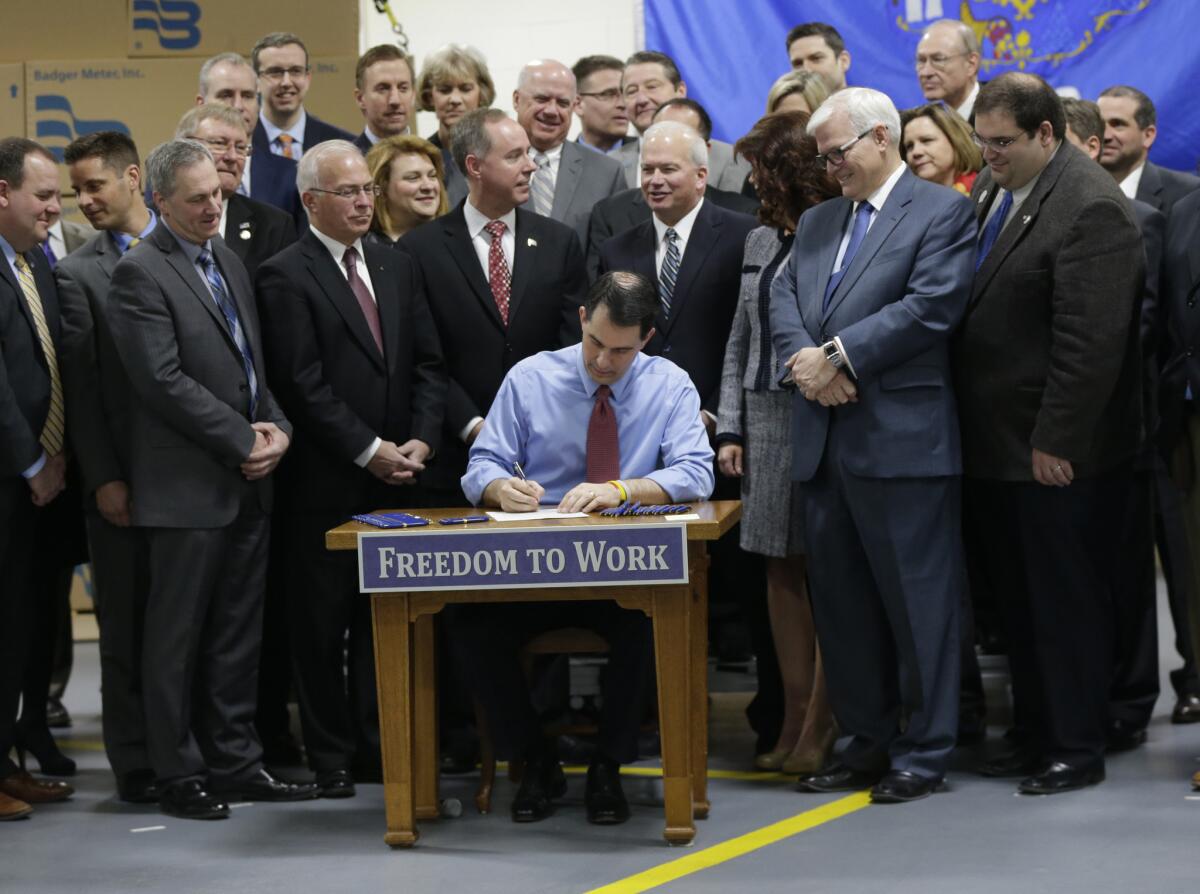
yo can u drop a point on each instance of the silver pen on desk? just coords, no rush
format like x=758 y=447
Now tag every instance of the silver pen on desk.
x=519 y=472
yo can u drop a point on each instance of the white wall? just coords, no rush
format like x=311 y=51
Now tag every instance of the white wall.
x=509 y=34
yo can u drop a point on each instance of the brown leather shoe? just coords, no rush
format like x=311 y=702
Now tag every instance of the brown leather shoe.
x=23 y=787
x=12 y=808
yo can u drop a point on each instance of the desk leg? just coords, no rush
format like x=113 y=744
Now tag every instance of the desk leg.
x=425 y=742
x=672 y=607
x=699 y=684
x=393 y=670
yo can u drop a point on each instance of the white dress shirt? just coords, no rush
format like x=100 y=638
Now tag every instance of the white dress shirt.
x=683 y=230
x=968 y=106
x=1132 y=181
x=58 y=242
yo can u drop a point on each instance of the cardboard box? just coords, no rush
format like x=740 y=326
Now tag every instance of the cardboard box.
x=146 y=97
x=75 y=29
x=158 y=28
x=12 y=100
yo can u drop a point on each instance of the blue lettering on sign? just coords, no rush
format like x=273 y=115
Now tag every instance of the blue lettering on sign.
x=56 y=121
x=174 y=22
x=524 y=558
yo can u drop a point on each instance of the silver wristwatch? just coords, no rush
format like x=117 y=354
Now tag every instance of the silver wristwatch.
x=833 y=355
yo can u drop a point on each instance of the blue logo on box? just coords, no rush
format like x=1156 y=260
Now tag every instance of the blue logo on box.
x=174 y=22
x=57 y=121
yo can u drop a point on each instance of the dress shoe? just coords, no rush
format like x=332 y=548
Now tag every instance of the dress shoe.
x=190 y=800
x=57 y=715
x=38 y=742
x=265 y=786
x=542 y=782
x=771 y=760
x=335 y=784
x=23 y=787
x=838 y=778
x=139 y=787
x=1124 y=736
x=807 y=759
x=13 y=808
x=603 y=797
x=1187 y=709
x=898 y=786
x=1018 y=762
x=1061 y=777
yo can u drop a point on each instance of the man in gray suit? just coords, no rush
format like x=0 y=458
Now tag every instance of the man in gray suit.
x=862 y=314
x=105 y=172
x=205 y=434
x=569 y=179
x=649 y=80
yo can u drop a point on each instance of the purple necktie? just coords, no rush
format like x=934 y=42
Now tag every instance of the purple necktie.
x=369 y=309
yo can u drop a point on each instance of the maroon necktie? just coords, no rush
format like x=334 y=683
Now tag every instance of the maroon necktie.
x=499 y=276
x=603 y=448
x=365 y=302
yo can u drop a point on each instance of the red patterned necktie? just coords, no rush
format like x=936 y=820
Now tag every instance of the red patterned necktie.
x=603 y=448
x=369 y=308
x=498 y=274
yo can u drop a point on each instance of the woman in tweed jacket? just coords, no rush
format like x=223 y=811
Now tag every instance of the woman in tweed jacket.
x=755 y=430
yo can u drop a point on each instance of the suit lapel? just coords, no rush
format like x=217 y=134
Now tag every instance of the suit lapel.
x=705 y=233
x=43 y=278
x=570 y=172
x=814 y=298
x=323 y=270
x=389 y=310
x=106 y=256
x=187 y=272
x=238 y=219
x=525 y=256
x=243 y=299
x=458 y=243
x=10 y=277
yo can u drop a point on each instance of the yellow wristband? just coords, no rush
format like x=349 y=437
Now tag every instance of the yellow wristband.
x=621 y=490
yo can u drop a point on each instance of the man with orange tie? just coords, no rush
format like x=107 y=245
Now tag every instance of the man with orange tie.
x=32 y=430
x=585 y=427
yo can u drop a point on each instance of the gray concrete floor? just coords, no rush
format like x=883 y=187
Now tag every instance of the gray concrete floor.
x=1135 y=833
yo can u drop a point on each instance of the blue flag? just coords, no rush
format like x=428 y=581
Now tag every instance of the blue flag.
x=730 y=54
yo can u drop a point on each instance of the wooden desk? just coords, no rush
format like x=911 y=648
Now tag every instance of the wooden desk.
x=404 y=664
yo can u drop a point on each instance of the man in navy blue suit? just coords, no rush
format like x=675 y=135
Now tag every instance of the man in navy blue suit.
x=862 y=315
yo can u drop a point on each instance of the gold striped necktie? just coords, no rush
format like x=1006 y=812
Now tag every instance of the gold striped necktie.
x=53 y=430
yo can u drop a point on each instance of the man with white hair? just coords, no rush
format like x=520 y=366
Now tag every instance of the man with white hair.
x=569 y=179
x=865 y=307
x=948 y=65
x=692 y=250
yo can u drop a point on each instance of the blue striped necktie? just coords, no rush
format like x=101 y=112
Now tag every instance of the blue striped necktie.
x=229 y=312
x=670 y=272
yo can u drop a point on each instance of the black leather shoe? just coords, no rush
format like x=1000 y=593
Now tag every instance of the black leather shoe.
x=1060 y=777
x=57 y=715
x=837 y=778
x=1187 y=709
x=898 y=786
x=189 y=800
x=264 y=786
x=542 y=782
x=1124 y=736
x=1018 y=762
x=335 y=784
x=604 y=799
x=139 y=787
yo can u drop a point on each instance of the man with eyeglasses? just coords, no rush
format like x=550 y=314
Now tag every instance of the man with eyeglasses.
x=1048 y=378
x=284 y=127
x=352 y=348
x=861 y=317
x=603 y=115
x=569 y=180
x=253 y=230
x=948 y=65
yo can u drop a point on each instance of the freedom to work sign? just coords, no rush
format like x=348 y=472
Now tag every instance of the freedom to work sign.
x=465 y=559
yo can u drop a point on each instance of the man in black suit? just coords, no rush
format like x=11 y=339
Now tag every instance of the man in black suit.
x=32 y=430
x=1130 y=126
x=284 y=127
x=354 y=353
x=1048 y=380
x=255 y=231
x=105 y=171
x=627 y=209
x=228 y=79
x=205 y=435
x=503 y=283
x=383 y=89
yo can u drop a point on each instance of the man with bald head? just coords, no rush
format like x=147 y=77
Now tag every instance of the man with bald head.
x=569 y=179
x=352 y=347
x=948 y=65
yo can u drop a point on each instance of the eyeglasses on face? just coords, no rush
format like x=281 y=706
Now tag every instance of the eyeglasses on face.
x=276 y=74
x=351 y=192
x=837 y=156
x=996 y=144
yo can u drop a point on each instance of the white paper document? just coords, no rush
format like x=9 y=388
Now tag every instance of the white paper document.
x=533 y=516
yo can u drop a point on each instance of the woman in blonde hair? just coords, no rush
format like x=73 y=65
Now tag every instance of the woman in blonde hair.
x=453 y=81
x=408 y=173
x=796 y=91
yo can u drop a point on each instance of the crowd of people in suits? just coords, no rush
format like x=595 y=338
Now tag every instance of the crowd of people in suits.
x=945 y=356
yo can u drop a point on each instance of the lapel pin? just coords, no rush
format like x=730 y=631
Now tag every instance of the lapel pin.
x=244 y=234
x=531 y=242
x=1027 y=218
x=982 y=198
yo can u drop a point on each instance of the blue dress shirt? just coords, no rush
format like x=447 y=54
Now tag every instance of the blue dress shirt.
x=122 y=240
x=540 y=419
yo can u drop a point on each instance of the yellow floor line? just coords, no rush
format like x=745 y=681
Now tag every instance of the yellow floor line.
x=750 y=775
x=736 y=847
x=79 y=744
